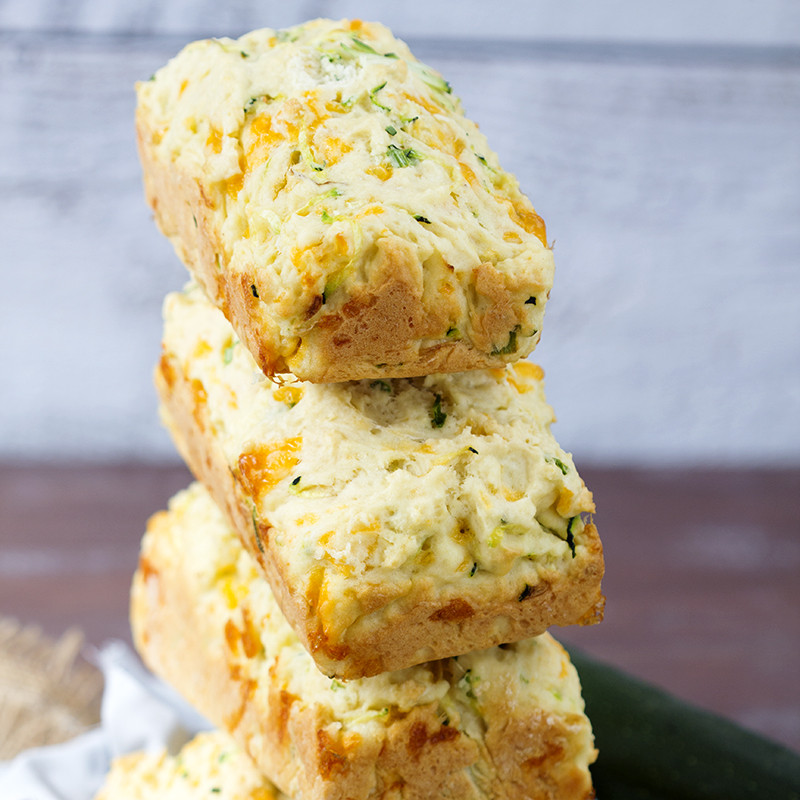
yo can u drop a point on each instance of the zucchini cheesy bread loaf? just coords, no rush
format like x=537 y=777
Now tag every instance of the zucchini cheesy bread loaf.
x=397 y=520
x=210 y=767
x=327 y=191
x=507 y=722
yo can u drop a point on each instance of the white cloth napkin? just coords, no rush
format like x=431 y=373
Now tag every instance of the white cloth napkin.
x=139 y=712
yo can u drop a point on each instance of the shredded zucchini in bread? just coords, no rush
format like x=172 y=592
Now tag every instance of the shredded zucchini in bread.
x=398 y=520
x=209 y=767
x=337 y=205
x=506 y=722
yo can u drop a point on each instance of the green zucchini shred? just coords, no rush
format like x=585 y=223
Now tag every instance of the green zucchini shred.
x=525 y=593
x=438 y=416
x=558 y=462
x=402 y=157
x=374 y=100
x=570 y=535
x=511 y=346
x=257 y=532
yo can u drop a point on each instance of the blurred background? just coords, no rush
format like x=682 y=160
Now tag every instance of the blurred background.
x=659 y=141
x=661 y=144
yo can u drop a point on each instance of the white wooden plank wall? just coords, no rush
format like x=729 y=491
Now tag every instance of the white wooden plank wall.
x=661 y=145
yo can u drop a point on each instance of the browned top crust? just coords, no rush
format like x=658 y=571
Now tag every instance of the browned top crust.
x=397 y=520
x=492 y=725
x=327 y=191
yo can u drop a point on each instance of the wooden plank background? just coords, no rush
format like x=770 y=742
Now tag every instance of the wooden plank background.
x=666 y=162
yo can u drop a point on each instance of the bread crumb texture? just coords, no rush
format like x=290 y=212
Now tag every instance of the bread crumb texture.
x=507 y=721
x=208 y=767
x=373 y=490
x=340 y=190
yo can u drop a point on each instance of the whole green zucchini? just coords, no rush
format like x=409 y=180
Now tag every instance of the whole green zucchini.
x=655 y=747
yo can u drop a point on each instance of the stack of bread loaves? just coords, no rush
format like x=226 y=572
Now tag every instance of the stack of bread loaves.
x=358 y=588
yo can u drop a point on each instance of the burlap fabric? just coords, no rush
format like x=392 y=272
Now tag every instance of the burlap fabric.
x=48 y=691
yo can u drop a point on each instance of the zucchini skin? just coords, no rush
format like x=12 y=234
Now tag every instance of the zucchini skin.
x=656 y=747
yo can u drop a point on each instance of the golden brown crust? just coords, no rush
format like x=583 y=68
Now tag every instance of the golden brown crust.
x=419 y=620
x=390 y=328
x=414 y=755
x=203 y=457
x=183 y=212
x=161 y=610
x=536 y=758
x=492 y=293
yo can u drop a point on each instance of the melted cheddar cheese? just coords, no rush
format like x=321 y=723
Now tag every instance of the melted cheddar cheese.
x=315 y=143
x=454 y=478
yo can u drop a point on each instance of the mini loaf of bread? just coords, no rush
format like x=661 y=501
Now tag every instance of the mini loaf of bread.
x=210 y=767
x=503 y=723
x=327 y=191
x=398 y=521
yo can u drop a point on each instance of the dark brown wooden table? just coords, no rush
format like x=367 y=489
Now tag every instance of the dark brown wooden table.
x=702 y=572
